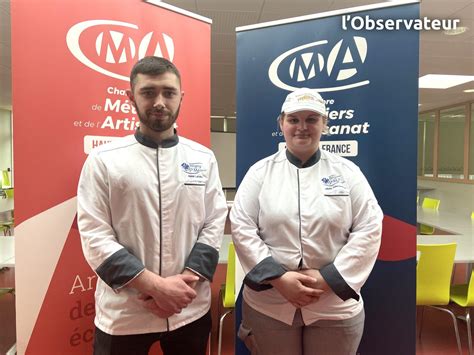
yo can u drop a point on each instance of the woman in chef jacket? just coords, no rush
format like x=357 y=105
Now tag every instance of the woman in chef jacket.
x=306 y=227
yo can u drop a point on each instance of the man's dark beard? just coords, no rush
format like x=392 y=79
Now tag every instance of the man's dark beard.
x=158 y=125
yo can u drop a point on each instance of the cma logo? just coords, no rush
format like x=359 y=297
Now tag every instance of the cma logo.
x=306 y=66
x=192 y=168
x=109 y=47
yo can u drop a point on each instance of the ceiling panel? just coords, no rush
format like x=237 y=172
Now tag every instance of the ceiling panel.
x=225 y=41
x=442 y=8
x=223 y=56
x=346 y=4
x=227 y=21
x=466 y=14
x=443 y=49
x=189 y=5
x=440 y=36
x=446 y=65
x=319 y=5
x=230 y=5
x=273 y=16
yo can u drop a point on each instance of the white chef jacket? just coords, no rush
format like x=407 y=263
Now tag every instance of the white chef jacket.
x=322 y=215
x=162 y=208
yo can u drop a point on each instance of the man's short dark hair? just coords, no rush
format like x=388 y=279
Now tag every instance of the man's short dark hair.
x=153 y=66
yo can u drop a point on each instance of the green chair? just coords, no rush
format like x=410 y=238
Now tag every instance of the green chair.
x=472 y=215
x=463 y=295
x=5 y=179
x=9 y=193
x=429 y=203
x=226 y=298
x=433 y=279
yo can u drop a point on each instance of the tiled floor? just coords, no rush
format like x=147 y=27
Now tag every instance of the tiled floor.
x=438 y=333
x=7 y=311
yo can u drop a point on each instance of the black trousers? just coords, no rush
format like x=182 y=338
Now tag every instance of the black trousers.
x=189 y=339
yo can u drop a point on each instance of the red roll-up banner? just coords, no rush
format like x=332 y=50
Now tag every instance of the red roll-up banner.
x=70 y=66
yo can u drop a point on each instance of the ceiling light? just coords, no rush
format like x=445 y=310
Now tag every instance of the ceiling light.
x=469 y=90
x=442 y=81
x=456 y=31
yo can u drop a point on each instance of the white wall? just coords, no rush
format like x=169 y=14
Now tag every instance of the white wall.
x=223 y=146
x=455 y=197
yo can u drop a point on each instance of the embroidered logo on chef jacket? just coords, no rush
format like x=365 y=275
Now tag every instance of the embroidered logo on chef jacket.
x=335 y=185
x=194 y=173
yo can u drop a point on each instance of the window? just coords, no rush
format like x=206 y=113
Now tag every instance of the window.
x=471 y=145
x=446 y=144
x=451 y=143
x=426 y=133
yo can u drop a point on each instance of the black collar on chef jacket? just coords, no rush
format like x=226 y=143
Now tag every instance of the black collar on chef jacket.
x=299 y=164
x=166 y=143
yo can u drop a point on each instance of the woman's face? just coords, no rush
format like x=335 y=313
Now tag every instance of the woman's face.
x=302 y=131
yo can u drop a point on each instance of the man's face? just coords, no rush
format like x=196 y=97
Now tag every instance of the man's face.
x=157 y=99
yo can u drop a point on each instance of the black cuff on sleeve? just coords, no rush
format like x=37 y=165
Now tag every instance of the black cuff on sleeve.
x=119 y=268
x=337 y=283
x=203 y=259
x=267 y=269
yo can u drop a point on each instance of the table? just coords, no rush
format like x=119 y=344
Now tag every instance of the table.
x=423 y=188
x=6 y=204
x=224 y=250
x=7 y=251
x=461 y=227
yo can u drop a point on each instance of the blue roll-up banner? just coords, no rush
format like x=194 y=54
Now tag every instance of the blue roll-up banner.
x=369 y=79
